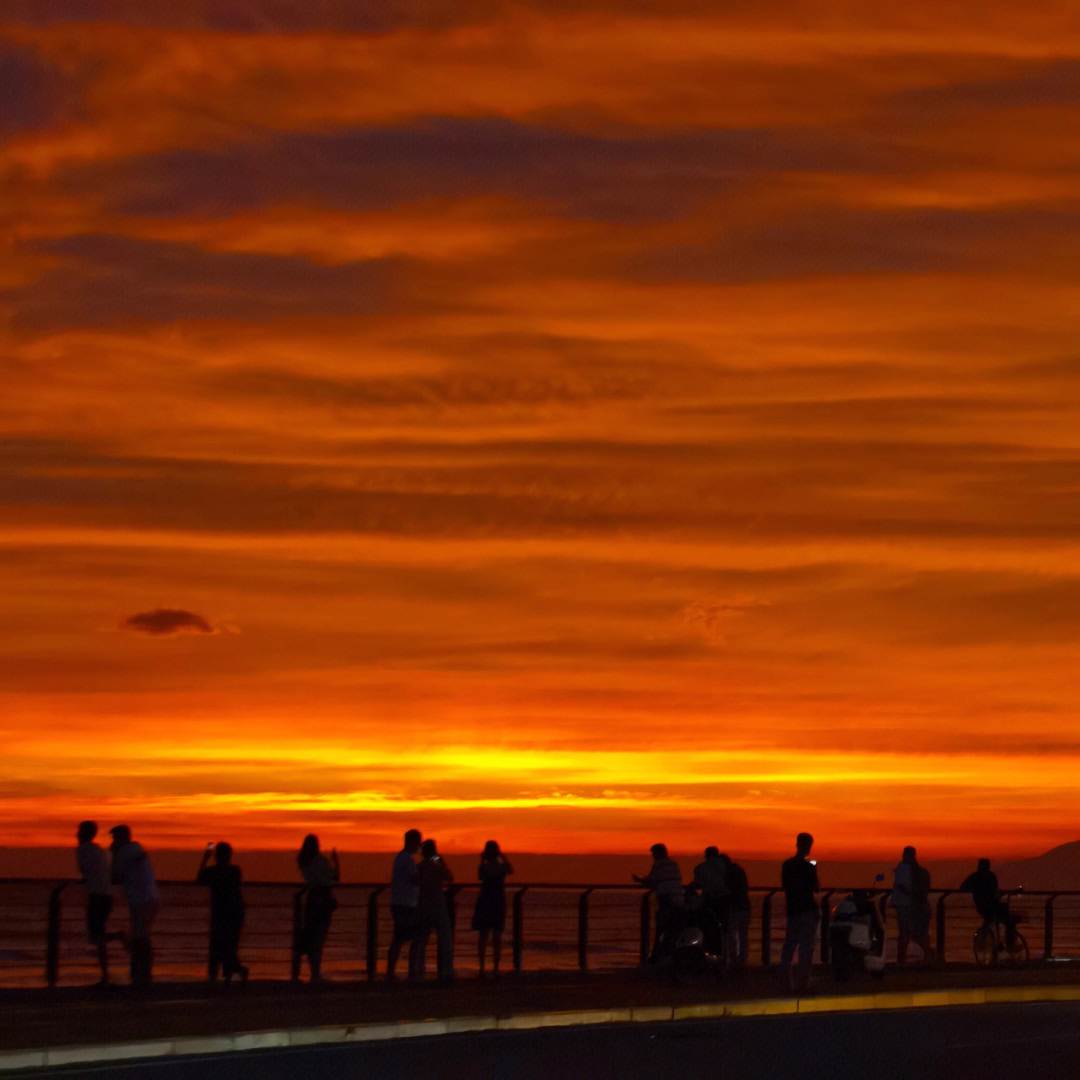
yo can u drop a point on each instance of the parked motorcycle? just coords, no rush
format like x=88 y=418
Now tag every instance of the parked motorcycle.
x=699 y=943
x=857 y=935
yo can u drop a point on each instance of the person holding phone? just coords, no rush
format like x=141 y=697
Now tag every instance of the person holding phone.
x=489 y=916
x=800 y=882
x=226 y=911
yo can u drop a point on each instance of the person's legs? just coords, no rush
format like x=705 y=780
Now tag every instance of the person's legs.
x=445 y=947
x=142 y=954
x=742 y=953
x=404 y=919
x=392 y=954
x=481 y=948
x=1010 y=920
x=98 y=907
x=418 y=952
x=230 y=958
x=806 y=932
x=496 y=949
x=920 y=932
x=787 y=953
x=903 y=932
x=316 y=942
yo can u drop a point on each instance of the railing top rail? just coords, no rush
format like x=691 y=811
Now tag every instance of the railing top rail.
x=293 y=884
x=549 y=885
x=575 y=887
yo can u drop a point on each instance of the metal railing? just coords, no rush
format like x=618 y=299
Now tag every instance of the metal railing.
x=549 y=926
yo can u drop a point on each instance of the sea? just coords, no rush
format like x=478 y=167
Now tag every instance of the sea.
x=573 y=907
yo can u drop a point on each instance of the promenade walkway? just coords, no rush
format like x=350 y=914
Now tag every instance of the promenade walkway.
x=67 y=1026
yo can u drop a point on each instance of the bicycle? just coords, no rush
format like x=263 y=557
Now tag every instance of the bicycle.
x=990 y=947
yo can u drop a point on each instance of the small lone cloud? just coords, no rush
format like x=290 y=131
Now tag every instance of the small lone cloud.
x=168 y=621
x=712 y=619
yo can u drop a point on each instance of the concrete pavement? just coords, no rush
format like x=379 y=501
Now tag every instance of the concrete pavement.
x=44 y=1028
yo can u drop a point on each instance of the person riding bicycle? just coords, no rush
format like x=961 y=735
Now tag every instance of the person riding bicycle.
x=983 y=886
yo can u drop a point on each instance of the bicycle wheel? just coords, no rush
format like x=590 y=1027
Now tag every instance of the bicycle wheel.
x=986 y=946
x=1019 y=953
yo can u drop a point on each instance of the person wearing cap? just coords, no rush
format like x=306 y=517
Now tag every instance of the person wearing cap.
x=132 y=871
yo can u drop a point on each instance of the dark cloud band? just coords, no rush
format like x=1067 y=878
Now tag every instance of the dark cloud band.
x=163 y=621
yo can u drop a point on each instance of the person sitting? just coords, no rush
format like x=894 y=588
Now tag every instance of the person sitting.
x=983 y=886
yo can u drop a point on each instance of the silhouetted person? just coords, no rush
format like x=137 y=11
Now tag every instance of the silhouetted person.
x=432 y=877
x=711 y=882
x=665 y=880
x=800 y=881
x=131 y=870
x=983 y=886
x=404 y=904
x=738 y=907
x=94 y=867
x=911 y=899
x=226 y=911
x=321 y=875
x=489 y=916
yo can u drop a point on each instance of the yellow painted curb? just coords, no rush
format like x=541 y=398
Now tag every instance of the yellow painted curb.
x=999 y=994
x=700 y=1012
x=523 y=1022
x=837 y=1003
x=764 y=1007
x=939 y=998
x=648 y=1014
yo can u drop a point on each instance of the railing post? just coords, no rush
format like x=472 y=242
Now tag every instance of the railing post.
x=297 y=934
x=766 y=928
x=941 y=925
x=373 y=932
x=646 y=930
x=825 y=898
x=583 y=931
x=1048 y=928
x=518 y=928
x=52 y=940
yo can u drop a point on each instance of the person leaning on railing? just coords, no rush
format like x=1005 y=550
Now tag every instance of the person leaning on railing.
x=665 y=880
x=131 y=869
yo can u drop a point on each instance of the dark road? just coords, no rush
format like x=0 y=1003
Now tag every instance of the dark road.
x=986 y=1043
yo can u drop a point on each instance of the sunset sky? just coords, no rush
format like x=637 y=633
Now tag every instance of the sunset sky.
x=582 y=424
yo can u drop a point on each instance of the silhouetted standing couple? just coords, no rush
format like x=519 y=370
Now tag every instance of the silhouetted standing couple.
x=420 y=907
